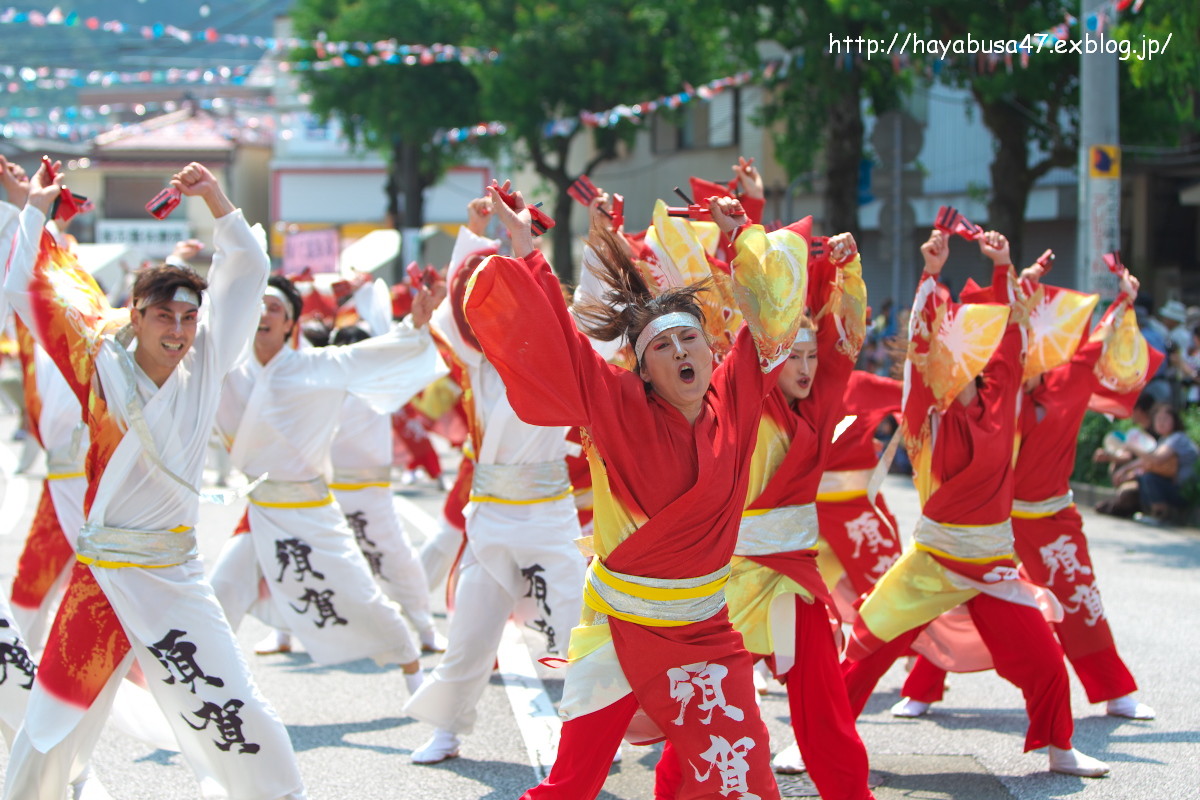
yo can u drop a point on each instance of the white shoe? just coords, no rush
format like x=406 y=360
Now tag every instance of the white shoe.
x=907 y=707
x=618 y=756
x=274 y=642
x=1073 y=762
x=788 y=761
x=1130 y=708
x=441 y=746
x=413 y=681
x=432 y=641
x=761 y=673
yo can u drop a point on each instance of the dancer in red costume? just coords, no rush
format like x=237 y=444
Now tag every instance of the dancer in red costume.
x=670 y=447
x=859 y=536
x=777 y=600
x=960 y=427
x=1048 y=529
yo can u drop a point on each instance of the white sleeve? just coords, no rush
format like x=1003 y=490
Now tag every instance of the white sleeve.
x=236 y=282
x=22 y=255
x=387 y=370
x=373 y=302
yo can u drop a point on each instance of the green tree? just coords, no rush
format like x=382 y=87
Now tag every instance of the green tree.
x=1159 y=96
x=570 y=56
x=816 y=101
x=394 y=108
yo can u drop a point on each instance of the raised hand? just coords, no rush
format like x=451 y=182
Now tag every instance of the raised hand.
x=479 y=213
x=994 y=245
x=515 y=220
x=425 y=301
x=15 y=182
x=728 y=213
x=748 y=178
x=44 y=190
x=842 y=248
x=935 y=251
x=195 y=180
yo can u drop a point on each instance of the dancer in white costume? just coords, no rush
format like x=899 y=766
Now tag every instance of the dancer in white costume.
x=362 y=482
x=139 y=590
x=279 y=408
x=520 y=554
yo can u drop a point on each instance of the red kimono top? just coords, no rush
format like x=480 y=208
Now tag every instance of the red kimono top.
x=668 y=493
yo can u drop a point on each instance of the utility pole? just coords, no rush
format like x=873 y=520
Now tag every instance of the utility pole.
x=1099 y=222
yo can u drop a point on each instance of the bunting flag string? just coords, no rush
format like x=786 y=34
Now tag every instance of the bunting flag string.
x=635 y=112
x=387 y=50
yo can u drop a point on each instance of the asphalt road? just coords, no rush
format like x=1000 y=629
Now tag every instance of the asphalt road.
x=353 y=741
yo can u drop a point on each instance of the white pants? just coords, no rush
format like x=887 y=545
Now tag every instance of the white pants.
x=438 y=553
x=391 y=556
x=520 y=560
x=227 y=731
x=320 y=586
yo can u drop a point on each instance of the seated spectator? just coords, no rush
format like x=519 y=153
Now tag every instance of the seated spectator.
x=1188 y=366
x=1161 y=474
x=1121 y=448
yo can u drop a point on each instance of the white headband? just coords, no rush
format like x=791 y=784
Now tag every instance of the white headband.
x=183 y=294
x=676 y=319
x=273 y=291
x=805 y=336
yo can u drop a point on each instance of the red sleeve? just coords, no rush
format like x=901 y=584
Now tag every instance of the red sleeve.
x=1002 y=375
x=551 y=372
x=754 y=207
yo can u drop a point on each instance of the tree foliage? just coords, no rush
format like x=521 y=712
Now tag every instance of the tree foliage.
x=565 y=57
x=393 y=108
x=1159 y=96
x=816 y=101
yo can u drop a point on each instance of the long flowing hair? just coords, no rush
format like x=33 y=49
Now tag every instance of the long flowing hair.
x=629 y=305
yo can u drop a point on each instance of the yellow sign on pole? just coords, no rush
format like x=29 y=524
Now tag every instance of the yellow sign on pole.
x=1104 y=161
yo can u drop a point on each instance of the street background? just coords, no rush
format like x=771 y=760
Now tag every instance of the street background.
x=353 y=741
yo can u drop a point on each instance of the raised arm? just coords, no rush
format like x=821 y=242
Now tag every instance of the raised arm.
x=238 y=275
x=57 y=299
x=838 y=304
x=517 y=310
x=770 y=280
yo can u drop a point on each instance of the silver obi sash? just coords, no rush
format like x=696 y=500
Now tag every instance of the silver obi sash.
x=349 y=479
x=520 y=483
x=64 y=462
x=777 y=530
x=1023 y=509
x=966 y=541
x=291 y=494
x=658 y=602
x=102 y=546
x=843 y=484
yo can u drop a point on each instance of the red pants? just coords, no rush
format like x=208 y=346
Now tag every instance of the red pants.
x=1025 y=653
x=726 y=757
x=1054 y=553
x=822 y=719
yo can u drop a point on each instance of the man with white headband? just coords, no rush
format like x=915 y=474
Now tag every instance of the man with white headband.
x=138 y=590
x=279 y=409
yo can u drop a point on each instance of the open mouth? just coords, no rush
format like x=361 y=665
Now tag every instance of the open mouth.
x=172 y=347
x=687 y=373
